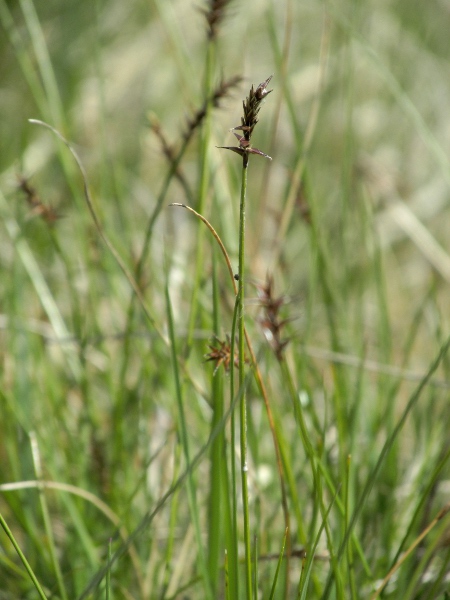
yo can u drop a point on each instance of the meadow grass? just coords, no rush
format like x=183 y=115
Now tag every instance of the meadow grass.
x=224 y=376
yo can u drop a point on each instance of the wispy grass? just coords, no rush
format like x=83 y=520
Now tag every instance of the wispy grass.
x=247 y=398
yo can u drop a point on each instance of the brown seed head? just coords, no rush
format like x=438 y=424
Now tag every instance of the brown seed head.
x=221 y=354
x=222 y=91
x=270 y=319
x=251 y=106
x=214 y=15
x=38 y=208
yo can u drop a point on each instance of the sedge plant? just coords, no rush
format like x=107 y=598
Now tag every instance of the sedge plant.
x=97 y=367
x=251 y=108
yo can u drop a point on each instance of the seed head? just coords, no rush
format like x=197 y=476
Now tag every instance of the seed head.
x=38 y=208
x=270 y=319
x=220 y=354
x=222 y=91
x=251 y=106
x=214 y=15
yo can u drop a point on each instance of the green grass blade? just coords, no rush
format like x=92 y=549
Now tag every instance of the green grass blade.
x=29 y=570
x=40 y=285
x=386 y=448
x=243 y=401
x=108 y=575
x=279 y=563
x=193 y=505
x=46 y=517
x=306 y=572
x=44 y=62
x=218 y=465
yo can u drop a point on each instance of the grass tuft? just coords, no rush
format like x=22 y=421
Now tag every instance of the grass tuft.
x=248 y=397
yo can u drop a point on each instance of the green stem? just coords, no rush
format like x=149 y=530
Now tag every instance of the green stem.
x=315 y=461
x=183 y=432
x=243 y=402
x=46 y=517
x=350 y=566
x=174 y=510
x=108 y=573
x=120 y=409
x=29 y=570
x=233 y=561
x=217 y=449
x=202 y=193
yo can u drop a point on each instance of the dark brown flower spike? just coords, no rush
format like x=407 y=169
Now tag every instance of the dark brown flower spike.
x=38 y=208
x=270 y=319
x=261 y=90
x=167 y=148
x=171 y=151
x=222 y=91
x=215 y=15
x=221 y=354
x=251 y=106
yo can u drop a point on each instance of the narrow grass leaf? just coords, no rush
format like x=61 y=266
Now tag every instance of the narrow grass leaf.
x=279 y=563
x=193 y=505
x=29 y=570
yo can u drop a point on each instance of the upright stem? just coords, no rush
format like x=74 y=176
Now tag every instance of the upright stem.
x=243 y=404
x=29 y=570
x=202 y=193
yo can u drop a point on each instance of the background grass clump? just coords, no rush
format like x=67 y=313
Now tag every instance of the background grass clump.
x=120 y=472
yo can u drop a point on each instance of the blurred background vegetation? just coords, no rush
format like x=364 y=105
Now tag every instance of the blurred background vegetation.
x=351 y=218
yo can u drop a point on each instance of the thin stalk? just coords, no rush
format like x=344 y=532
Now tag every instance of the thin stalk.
x=385 y=451
x=29 y=570
x=174 y=508
x=185 y=444
x=350 y=567
x=217 y=448
x=316 y=471
x=280 y=560
x=255 y=567
x=46 y=69
x=282 y=58
x=227 y=587
x=233 y=560
x=148 y=518
x=202 y=192
x=46 y=94
x=426 y=492
x=439 y=580
x=414 y=588
x=309 y=558
x=46 y=516
x=243 y=401
x=40 y=285
x=138 y=272
x=25 y=60
x=108 y=573
x=442 y=513
x=276 y=435
x=112 y=249
x=279 y=447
